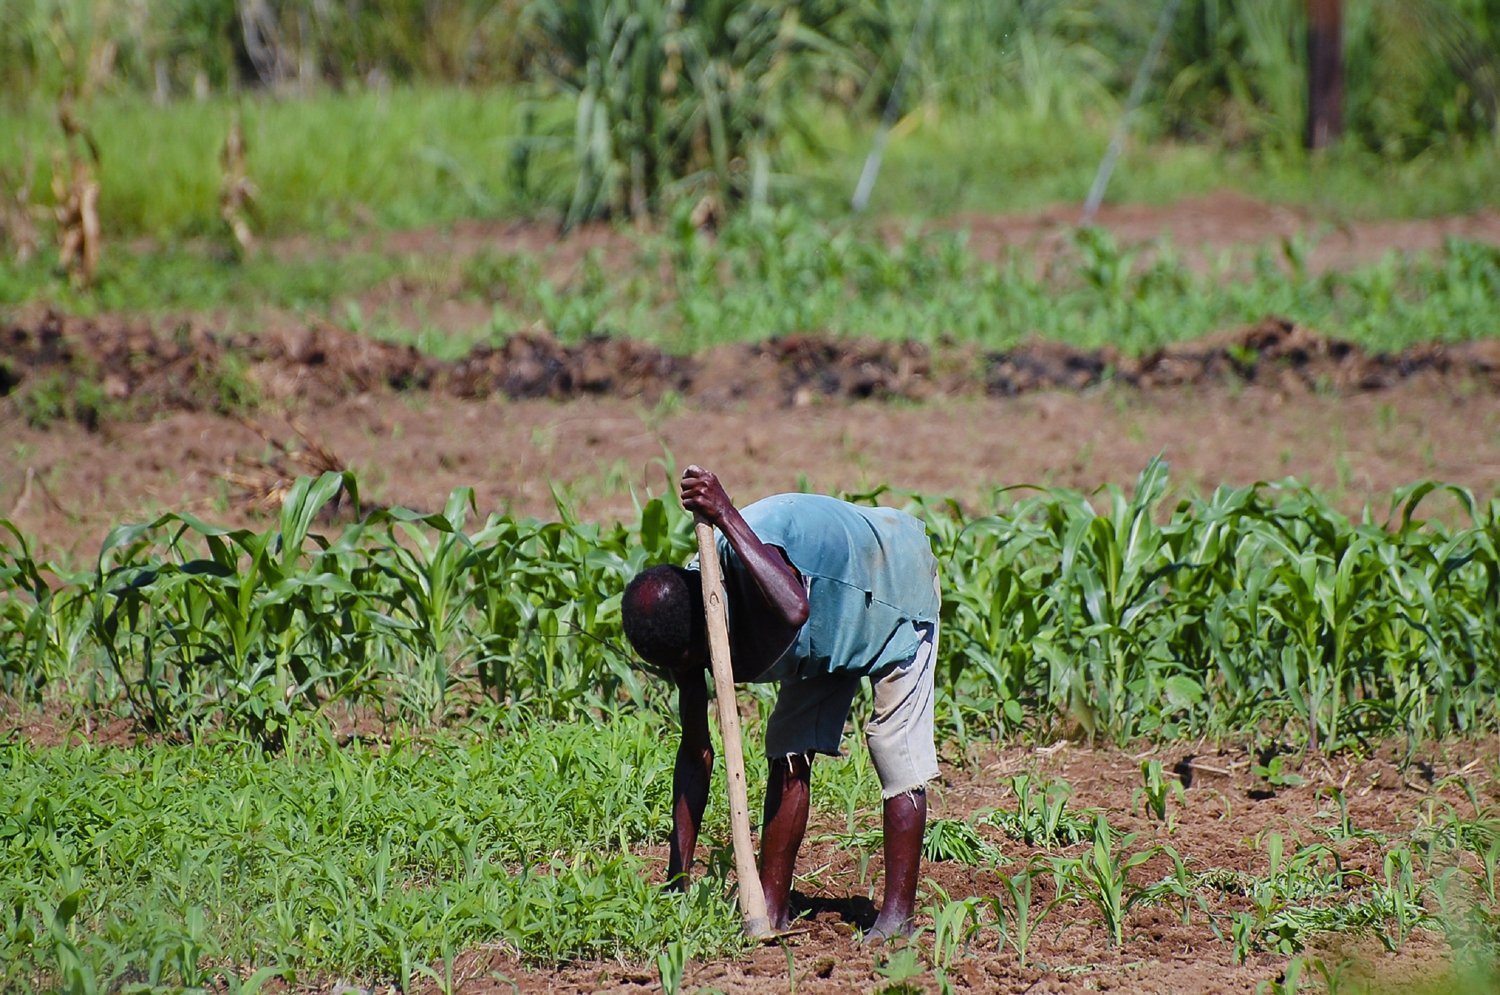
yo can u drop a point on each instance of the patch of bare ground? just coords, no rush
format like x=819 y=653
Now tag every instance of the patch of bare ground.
x=49 y=724
x=1220 y=822
x=141 y=369
x=68 y=485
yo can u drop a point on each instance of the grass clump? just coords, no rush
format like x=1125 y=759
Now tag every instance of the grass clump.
x=1041 y=818
x=186 y=866
x=944 y=840
x=183 y=277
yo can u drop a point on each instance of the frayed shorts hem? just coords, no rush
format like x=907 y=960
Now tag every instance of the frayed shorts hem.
x=886 y=794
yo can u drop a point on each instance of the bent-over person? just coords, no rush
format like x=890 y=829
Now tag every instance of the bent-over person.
x=820 y=595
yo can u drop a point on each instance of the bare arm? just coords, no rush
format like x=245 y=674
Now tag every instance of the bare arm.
x=690 y=776
x=782 y=606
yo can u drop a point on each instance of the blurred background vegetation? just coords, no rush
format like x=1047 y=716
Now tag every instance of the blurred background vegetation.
x=406 y=111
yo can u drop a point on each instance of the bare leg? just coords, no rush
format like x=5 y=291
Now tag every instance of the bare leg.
x=787 y=789
x=905 y=821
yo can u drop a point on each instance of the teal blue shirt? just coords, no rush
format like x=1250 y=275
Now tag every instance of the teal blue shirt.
x=870 y=579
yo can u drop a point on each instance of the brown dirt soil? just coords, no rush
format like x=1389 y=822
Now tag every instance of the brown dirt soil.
x=767 y=418
x=605 y=418
x=1224 y=813
x=142 y=370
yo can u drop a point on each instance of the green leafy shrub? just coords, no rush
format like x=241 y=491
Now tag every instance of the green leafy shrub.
x=673 y=97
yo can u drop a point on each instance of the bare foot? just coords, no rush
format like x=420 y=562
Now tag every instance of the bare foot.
x=883 y=931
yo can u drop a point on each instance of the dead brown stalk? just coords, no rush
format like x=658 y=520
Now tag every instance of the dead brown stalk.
x=236 y=190
x=75 y=195
x=263 y=483
x=18 y=215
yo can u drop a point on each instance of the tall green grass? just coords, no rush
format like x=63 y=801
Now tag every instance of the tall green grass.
x=183 y=47
x=675 y=101
x=331 y=164
x=327 y=162
x=1419 y=73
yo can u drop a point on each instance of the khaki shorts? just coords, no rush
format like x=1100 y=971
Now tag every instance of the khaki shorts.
x=810 y=714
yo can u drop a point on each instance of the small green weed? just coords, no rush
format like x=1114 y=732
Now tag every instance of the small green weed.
x=944 y=840
x=1041 y=817
x=1019 y=917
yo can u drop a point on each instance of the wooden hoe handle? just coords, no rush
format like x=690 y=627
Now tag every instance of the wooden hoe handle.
x=752 y=898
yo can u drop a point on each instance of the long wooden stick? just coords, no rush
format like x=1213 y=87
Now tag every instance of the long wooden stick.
x=752 y=898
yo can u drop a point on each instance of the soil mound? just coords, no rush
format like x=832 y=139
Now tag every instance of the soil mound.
x=1274 y=352
x=530 y=365
x=121 y=367
x=1278 y=351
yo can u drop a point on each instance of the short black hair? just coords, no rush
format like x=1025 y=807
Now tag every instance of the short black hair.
x=662 y=611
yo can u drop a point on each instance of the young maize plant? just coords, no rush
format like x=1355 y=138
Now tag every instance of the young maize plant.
x=1253 y=606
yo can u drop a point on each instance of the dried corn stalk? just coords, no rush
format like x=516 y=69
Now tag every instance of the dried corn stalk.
x=263 y=483
x=236 y=190
x=18 y=227
x=75 y=195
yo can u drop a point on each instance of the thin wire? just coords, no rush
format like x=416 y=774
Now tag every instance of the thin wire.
x=866 y=184
x=1137 y=91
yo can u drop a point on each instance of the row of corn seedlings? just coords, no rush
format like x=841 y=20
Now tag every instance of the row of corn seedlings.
x=1251 y=607
x=404 y=614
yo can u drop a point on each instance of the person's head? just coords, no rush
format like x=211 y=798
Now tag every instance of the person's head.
x=662 y=611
